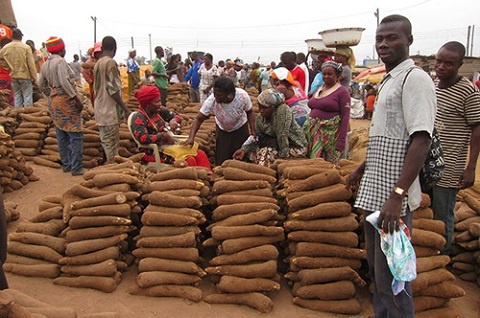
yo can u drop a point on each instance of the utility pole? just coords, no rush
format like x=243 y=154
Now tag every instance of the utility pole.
x=471 y=41
x=133 y=44
x=468 y=40
x=377 y=15
x=94 y=29
x=150 y=46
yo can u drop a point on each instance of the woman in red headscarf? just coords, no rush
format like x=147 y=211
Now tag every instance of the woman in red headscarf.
x=149 y=123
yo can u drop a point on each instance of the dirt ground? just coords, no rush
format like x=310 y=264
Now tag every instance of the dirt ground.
x=85 y=301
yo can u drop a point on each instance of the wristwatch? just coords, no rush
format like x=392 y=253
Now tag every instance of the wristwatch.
x=399 y=191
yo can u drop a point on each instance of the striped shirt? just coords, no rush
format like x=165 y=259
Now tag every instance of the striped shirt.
x=458 y=109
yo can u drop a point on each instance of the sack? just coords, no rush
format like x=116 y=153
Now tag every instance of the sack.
x=434 y=164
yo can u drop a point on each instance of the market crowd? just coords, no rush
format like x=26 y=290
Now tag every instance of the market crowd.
x=303 y=111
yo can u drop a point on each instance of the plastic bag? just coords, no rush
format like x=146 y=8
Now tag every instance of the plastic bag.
x=399 y=252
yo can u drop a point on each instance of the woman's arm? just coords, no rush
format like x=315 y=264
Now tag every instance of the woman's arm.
x=344 y=112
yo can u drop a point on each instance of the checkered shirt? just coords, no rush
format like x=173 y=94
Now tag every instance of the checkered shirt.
x=384 y=162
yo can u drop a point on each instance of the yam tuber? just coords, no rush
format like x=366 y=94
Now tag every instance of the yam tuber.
x=257 y=301
x=322 y=211
x=153 y=278
x=259 y=253
x=348 y=239
x=106 y=268
x=182 y=240
x=177 y=253
x=225 y=211
x=339 y=290
x=346 y=307
x=266 y=269
x=187 y=292
x=105 y=284
x=168 y=265
x=229 y=232
x=92 y=245
x=232 y=284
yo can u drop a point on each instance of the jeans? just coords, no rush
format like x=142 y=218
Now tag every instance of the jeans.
x=22 y=92
x=443 y=204
x=385 y=304
x=70 y=147
x=110 y=138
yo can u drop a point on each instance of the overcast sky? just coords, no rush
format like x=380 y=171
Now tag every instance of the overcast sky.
x=249 y=29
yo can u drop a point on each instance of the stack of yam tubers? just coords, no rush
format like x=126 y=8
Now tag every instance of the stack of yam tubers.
x=433 y=287
x=466 y=261
x=29 y=137
x=16 y=304
x=127 y=147
x=323 y=253
x=14 y=171
x=245 y=233
x=100 y=213
x=178 y=96
x=8 y=119
x=35 y=248
x=11 y=212
x=167 y=246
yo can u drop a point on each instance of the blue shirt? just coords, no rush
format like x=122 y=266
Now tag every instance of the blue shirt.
x=317 y=82
x=193 y=75
x=132 y=65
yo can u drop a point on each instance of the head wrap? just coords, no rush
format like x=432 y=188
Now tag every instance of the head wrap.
x=54 y=44
x=281 y=73
x=147 y=94
x=271 y=98
x=131 y=51
x=97 y=47
x=336 y=66
x=348 y=53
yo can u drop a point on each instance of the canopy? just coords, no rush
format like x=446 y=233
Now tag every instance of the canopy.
x=373 y=75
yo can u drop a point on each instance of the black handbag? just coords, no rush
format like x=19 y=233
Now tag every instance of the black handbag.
x=434 y=165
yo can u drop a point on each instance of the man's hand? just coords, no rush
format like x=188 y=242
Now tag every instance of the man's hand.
x=353 y=179
x=389 y=219
x=467 y=179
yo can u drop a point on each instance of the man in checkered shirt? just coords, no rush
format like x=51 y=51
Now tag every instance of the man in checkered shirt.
x=399 y=141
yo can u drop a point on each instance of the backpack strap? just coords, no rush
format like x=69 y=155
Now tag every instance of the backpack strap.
x=408 y=72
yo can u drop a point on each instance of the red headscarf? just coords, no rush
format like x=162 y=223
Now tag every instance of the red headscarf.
x=147 y=94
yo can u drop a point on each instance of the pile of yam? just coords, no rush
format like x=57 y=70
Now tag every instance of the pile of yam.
x=8 y=117
x=35 y=248
x=14 y=171
x=34 y=124
x=321 y=243
x=433 y=287
x=100 y=212
x=167 y=247
x=11 y=212
x=357 y=144
x=245 y=233
x=16 y=304
x=466 y=239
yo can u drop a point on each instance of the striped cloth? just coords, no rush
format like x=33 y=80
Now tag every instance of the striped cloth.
x=458 y=109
